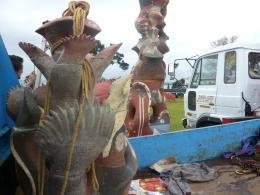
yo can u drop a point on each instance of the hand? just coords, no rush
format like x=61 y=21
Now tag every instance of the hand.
x=32 y=76
x=30 y=79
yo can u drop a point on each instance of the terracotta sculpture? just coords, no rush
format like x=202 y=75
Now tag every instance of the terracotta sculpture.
x=149 y=72
x=65 y=140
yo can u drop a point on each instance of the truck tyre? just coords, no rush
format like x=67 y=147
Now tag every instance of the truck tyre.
x=207 y=124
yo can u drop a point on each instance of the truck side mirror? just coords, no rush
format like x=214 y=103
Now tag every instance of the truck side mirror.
x=171 y=70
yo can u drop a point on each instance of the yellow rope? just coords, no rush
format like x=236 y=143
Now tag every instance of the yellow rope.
x=94 y=178
x=79 y=12
x=71 y=148
x=41 y=172
x=86 y=75
x=22 y=165
x=40 y=158
x=47 y=104
x=56 y=45
x=42 y=175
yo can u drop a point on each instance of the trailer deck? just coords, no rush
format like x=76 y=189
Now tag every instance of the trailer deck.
x=227 y=182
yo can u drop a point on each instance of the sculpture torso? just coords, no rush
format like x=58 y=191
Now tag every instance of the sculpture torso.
x=149 y=72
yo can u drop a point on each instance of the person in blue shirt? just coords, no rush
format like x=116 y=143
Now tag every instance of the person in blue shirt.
x=17 y=63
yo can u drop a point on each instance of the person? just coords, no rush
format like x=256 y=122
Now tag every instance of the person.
x=17 y=63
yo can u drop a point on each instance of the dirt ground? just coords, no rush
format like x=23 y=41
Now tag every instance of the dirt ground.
x=228 y=182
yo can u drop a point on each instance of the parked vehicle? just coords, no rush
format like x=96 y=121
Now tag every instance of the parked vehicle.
x=176 y=90
x=224 y=87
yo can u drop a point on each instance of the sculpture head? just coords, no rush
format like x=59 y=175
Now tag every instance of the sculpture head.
x=70 y=41
x=150 y=24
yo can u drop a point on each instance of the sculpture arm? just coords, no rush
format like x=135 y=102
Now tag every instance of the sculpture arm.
x=103 y=59
x=40 y=59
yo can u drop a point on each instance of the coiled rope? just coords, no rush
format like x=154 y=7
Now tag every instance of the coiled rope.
x=79 y=12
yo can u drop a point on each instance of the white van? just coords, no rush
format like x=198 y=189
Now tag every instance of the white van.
x=224 y=87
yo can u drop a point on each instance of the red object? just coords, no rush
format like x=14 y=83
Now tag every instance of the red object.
x=228 y=120
x=102 y=90
x=256 y=113
x=169 y=96
x=153 y=185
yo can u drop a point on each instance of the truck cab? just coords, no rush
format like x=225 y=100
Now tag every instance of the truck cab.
x=224 y=87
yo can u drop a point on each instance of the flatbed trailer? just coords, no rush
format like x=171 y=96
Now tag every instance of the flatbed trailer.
x=202 y=145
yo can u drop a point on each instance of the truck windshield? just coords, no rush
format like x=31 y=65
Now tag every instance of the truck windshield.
x=254 y=65
x=205 y=72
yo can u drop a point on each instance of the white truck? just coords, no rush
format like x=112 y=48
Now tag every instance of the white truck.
x=224 y=87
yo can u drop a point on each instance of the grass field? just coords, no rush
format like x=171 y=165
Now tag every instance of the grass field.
x=176 y=110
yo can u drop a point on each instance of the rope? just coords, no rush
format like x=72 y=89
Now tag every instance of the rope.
x=71 y=148
x=39 y=170
x=86 y=86
x=22 y=165
x=79 y=12
x=40 y=158
x=42 y=175
x=56 y=45
x=47 y=104
x=87 y=73
x=94 y=177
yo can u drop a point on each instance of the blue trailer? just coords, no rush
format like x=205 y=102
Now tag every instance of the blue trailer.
x=8 y=80
x=193 y=145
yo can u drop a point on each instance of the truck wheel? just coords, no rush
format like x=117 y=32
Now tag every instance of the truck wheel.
x=208 y=124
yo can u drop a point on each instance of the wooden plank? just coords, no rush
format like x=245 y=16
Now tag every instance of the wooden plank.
x=193 y=145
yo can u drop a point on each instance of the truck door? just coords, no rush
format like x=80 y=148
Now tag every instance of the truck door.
x=231 y=79
x=201 y=95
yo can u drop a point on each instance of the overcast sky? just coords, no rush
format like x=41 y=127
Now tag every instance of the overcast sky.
x=191 y=25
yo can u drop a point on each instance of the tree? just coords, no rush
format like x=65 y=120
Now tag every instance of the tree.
x=223 y=41
x=117 y=59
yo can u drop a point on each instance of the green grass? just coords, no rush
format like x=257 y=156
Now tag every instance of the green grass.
x=176 y=110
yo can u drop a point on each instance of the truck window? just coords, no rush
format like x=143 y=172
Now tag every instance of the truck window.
x=254 y=65
x=196 y=76
x=209 y=70
x=205 y=73
x=230 y=67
